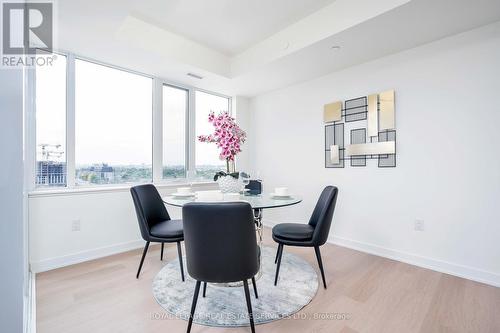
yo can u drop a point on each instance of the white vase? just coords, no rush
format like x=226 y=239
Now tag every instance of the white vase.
x=229 y=184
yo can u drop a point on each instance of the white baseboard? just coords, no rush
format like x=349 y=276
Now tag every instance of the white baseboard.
x=462 y=271
x=71 y=259
x=30 y=306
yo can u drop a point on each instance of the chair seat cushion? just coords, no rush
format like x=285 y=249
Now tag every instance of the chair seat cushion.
x=293 y=231
x=168 y=229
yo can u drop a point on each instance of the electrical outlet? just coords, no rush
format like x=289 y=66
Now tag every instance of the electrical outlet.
x=419 y=225
x=75 y=225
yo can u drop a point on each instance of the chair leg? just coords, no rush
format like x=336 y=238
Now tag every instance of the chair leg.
x=204 y=289
x=320 y=263
x=193 y=305
x=142 y=259
x=249 y=305
x=279 y=263
x=278 y=252
x=179 y=252
x=255 y=287
x=161 y=256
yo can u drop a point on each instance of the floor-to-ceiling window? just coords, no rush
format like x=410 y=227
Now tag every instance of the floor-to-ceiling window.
x=113 y=125
x=50 y=104
x=94 y=126
x=175 y=109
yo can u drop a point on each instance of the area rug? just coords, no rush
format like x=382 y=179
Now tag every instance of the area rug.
x=226 y=307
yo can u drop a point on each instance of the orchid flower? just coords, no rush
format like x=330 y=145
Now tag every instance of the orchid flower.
x=228 y=136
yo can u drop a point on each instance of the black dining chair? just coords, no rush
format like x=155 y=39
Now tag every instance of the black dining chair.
x=221 y=247
x=314 y=234
x=155 y=223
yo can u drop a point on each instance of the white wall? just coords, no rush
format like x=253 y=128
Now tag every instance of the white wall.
x=12 y=256
x=108 y=225
x=448 y=164
x=242 y=114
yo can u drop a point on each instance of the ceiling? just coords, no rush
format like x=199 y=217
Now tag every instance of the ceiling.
x=227 y=26
x=250 y=47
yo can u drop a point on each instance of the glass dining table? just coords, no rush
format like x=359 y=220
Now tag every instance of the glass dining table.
x=258 y=203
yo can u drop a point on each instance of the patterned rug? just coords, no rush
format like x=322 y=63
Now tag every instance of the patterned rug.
x=226 y=306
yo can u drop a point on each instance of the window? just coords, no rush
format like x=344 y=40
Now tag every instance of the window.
x=50 y=104
x=207 y=154
x=113 y=125
x=175 y=108
x=94 y=125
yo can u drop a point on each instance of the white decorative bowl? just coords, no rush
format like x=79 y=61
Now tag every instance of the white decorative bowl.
x=229 y=184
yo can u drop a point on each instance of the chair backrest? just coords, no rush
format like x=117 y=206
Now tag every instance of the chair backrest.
x=220 y=241
x=321 y=218
x=149 y=207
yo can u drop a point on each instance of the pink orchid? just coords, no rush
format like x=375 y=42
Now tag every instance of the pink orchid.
x=228 y=136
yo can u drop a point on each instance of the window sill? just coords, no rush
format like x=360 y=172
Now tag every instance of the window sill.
x=113 y=189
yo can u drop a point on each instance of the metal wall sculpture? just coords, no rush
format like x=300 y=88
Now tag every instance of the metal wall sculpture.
x=370 y=121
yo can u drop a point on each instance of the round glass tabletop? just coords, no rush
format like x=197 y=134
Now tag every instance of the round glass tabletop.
x=260 y=201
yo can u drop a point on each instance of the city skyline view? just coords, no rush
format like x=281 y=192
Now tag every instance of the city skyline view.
x=54 y=173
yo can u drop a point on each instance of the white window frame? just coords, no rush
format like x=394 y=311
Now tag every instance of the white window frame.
x=157 y=130
x=158 y=123
x=193 y=124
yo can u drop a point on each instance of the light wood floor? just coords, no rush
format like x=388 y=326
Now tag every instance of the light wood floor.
x=377 y=294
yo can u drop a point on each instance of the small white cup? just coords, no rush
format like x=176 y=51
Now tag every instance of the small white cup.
x=281 y=191
x=184 y=190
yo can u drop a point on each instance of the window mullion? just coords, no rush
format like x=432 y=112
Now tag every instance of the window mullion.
x=191 y=136
x=70 y=121
x=157 y=131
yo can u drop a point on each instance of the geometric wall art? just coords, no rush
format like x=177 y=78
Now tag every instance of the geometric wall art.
x=369 y=124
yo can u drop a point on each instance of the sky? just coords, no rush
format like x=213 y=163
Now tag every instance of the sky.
x=51 y=105
x=113 y=116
